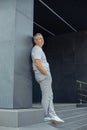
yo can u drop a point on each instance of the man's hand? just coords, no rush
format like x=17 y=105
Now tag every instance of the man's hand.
x=40 y=67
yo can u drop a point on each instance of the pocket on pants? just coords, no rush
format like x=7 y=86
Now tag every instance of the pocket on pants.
x=39 y=77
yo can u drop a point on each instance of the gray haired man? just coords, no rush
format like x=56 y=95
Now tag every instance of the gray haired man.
x=43 y=77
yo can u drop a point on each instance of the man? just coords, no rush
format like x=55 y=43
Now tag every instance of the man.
x=43 y=77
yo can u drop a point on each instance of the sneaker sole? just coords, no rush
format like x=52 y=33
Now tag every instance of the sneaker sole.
x=55 y=121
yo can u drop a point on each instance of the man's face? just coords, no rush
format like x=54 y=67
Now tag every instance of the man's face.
x=39 y=40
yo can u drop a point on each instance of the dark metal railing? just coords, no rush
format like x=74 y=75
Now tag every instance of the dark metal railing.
x=82 y=91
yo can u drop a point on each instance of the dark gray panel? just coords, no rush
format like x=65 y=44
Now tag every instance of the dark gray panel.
x=25 y=7
x=7 y=20
x=7 y=35
x=23 y=45
x=81 y=48
x=16 y=31
x=6 y=74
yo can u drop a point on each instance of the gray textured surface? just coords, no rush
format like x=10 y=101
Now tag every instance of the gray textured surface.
x=28 y=119
x=23 y=45
x=16 y=31
x=7 y=41
x=75 y=119
x=8 y=128
x=20 y=117
x=7 y=20
x=8 y=118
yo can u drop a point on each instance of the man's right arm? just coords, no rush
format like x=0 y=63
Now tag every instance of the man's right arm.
x=40 y=67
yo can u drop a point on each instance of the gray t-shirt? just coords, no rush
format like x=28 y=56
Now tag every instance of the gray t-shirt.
x=38 y=53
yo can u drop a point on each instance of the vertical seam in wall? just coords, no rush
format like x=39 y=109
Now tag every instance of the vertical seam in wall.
x=14 y=53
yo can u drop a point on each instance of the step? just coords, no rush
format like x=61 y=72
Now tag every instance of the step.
x=64 y=106
x=71 y=112
x=8 y=128
x=57 y=106
x=32 y=119
x=75 y=118
x=20 y=117
x=72 y=116
x=72 y=120
x=81 y=104
x=39 y=126
x=73 y=125
x=82 y=127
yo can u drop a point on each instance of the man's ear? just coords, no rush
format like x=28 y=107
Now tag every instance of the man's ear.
x=35 y=41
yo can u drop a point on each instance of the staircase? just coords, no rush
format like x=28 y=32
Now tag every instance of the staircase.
x=75 y=119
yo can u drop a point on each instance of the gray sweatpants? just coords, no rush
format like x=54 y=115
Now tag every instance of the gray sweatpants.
x=45 y=82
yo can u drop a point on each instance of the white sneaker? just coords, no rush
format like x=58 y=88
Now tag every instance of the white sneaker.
x=47 y=119
x=57 y=119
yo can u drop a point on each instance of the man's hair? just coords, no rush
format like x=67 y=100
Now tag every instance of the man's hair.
x=37 y=34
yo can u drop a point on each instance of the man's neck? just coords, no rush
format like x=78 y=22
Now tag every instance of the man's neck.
x=38 y=46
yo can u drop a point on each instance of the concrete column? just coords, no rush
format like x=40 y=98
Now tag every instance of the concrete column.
x=16 y=31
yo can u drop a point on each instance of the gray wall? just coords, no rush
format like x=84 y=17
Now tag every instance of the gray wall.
x=16 y=31
x=67 y=55
x=7 y=41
